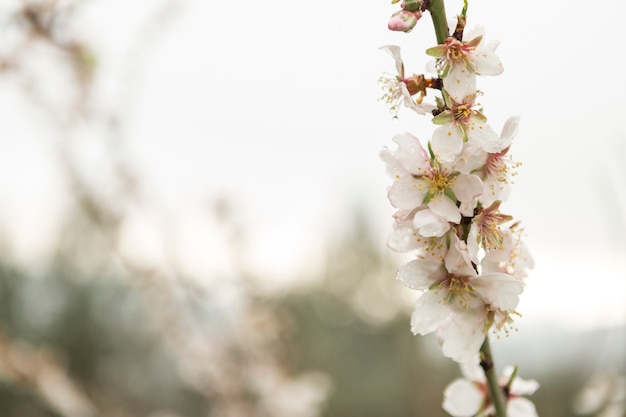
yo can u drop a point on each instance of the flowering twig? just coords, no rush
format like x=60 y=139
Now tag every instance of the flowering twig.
x=470 y=261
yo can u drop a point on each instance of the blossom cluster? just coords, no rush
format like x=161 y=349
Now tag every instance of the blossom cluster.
x=470 y=261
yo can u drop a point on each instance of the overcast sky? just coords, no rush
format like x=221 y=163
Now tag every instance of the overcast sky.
x=274 y=105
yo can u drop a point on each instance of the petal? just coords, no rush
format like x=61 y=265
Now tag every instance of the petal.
x=419 y=274
x=499 y=290
x=429 y=313
x=462 y=398
x=463 y=335
x=459 y=82
x=458 y=260
x=494 y=190
x=411 y=154
x=471 y=370
x=394 y=168
x=520 y=386
x=429 y=224
x=485 y=60
x=521 y=407
x=411 y=104
x=402 y=238
x=405 y=193
x=394 y=51
x=471 y=158
x=509 y=130
x=447 y=143
x=467 y=187
x=473 y=244
x=484 y=136
x=445 y=208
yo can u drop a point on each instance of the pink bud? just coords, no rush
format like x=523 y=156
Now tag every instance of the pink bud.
x=403 y=20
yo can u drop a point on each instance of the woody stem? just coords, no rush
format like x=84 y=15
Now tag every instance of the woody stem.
x=496 y=394
x=438 y=13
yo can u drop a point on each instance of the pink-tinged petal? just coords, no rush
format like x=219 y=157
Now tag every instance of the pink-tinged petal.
x=429 y=313
x=483 y=135
x=460 y=82
x=429 y=224
x=394 y=51
x=402 y=239
x=521 y=407
x=462 y=336
x=447 y=143
x=405 y=193
x=462 y=398
x=411 y=154
x=467 y=187
x=445 y=208
x=419 y=274
x=509 y=131
x=499 y=290
x=394 y=168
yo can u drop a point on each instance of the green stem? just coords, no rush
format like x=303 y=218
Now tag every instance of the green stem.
x=486 y=362
x=438 y=13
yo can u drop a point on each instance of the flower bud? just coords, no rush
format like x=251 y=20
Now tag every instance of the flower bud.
x=403 y=20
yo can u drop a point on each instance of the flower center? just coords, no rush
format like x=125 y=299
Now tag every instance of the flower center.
x=439 y=181
x=459 y=290
x=499 y=168
x=456 y=51
x=490 y=233
x=392 y=91
x=463 y=113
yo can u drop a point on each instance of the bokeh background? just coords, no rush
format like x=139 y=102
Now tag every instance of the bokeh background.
x=193 y=214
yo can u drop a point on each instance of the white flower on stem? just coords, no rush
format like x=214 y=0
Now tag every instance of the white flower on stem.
x=460 y=61
x=469 y=396
x=498 y=168
x=456 y=300
x=422 y=181
x=513 y=258
x=486 y=232
x=399 y=89
x=462 y=123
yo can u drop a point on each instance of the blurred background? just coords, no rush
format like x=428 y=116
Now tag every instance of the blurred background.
x=193 y=212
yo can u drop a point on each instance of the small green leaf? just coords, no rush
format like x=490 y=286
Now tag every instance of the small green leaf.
x=443 y=118
x=450 y=194
x=436 y=51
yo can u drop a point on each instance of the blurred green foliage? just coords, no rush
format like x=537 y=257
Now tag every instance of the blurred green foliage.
x=103 y=332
